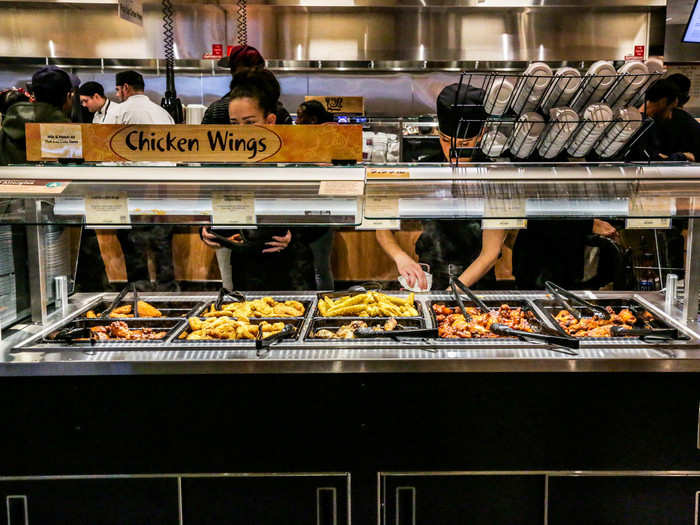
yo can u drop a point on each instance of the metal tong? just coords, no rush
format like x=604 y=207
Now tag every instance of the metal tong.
x=561 y=295
x=118 y=299
x=395 y=334
x=661 y=334
x=237 y=297
x=501 y=329
x=262 y=346
x=353 y=290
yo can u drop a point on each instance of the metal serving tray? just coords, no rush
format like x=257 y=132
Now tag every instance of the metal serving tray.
x=416 y=302
x=83 y=326
x=333 y=324
x=170 y=308
x=174 y=338
x=306 y=302
x=551 y=308
x=538 y=325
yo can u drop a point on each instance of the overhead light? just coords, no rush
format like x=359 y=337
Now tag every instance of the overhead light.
x=52 y=49
x=423 y=2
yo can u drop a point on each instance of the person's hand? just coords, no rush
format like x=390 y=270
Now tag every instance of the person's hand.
x=210 y=240
x=277 y=244
x=411 y=271
x=603 y=228
x=689 y=156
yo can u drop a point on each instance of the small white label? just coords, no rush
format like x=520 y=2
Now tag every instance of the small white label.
x=642 y=207
x=378 y=207
x=131 y=11
x=509 y=214
x=233 y=209
x=341 y=188
x=61 y=141
x=107 y=209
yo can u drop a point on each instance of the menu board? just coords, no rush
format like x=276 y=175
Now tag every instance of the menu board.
x=196 y=143
x=692 y=29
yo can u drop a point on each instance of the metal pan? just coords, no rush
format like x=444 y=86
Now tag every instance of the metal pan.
x=417 y=305
x=77 y=332
x=307 y=306
x=334 y=324
x=170 y=308
x=176 y=338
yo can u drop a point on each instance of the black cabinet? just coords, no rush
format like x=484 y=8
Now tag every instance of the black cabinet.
x=70 y=501
x=266 y=499
x=474 y=498
x=624 y=500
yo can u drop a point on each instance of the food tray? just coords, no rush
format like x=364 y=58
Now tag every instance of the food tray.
x=160 y=324
x=551 y=308
x=296 y=322
x=417 y=304
x=538 y=325
x=170 y=308
x=334 y=323
x=307 y=306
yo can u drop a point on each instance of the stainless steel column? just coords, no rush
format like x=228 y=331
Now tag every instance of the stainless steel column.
x=36 y=260
x=692 y=272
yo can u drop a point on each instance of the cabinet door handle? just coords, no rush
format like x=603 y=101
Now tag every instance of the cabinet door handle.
x=326 y=506
x=17 y=510
x=405 y=505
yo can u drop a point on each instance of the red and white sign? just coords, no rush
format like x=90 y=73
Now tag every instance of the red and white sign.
x=639 y=51
x=217 y=51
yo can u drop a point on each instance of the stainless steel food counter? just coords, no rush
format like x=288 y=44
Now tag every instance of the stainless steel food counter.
x=25 y=353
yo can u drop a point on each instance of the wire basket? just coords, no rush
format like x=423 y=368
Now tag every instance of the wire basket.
x=540 y=114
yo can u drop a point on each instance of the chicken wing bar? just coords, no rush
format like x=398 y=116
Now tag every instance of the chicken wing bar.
x=453 y=325
x=119 y=330
x=598 y=326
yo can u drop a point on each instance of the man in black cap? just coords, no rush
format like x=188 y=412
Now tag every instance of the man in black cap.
x=450 y=247
x=680 y=132
x=51 y=88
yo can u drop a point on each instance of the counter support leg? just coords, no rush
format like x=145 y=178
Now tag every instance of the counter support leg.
x=692 y=272
x=36 y=260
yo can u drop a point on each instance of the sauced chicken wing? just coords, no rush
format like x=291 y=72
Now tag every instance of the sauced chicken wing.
x=452 y=324
x=120 y=330
x=597 y=325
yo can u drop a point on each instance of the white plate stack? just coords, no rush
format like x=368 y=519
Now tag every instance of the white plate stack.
x=629 y=120
x=498 y=96
x=566 y=82
x=531 y=87
x=598 y=79
x=562 y=124
x=598 y=117
x=654 y=66
x=8 y=293
x=527 y=132
x=633 y=76
x=57 y=252
x=493 y=143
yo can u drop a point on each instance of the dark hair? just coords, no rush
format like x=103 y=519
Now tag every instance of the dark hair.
x=10 y=97
x=259 y=84
x=663 y=88
x=134 y=79
x=313 y=108
x=51 y=86
x=244 y=56
x=90 y=89
x=683 y=84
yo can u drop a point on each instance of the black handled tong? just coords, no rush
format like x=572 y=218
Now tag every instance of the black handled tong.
x=262 y=346
x=563 y=296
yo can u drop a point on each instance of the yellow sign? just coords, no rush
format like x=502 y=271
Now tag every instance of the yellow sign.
x=345 y=105
x=61 y=141
x=191 y=143
x=341 y=188
x=387 y=173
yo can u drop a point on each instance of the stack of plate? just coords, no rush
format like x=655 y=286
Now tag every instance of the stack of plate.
x=598 y=117
x=599 y=78
x=566 y=83
x=526 y=134
x=562 y=124
x=8 y=300
x=531 y=88
x=629 y=120
x=6 y=256
x=633 y=77
x=57 y=252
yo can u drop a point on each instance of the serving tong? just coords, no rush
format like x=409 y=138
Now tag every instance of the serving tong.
x=118 y=299
x=369 y=286
x=263 y=346
x=237 y=297
x=567 y=343
x=561 y=295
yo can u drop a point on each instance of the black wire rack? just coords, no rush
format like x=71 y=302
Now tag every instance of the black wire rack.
x=540 y=117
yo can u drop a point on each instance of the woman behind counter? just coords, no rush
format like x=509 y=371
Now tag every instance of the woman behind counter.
x=267 y=258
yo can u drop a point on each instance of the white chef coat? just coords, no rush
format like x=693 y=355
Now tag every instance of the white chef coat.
x=138 y=109
x=107 y=114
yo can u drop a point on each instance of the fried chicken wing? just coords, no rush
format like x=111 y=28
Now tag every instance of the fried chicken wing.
x=452 y=323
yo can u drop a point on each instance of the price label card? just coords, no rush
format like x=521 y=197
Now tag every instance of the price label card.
x=508 y=214
x=107 y=209
x=387 y=173
x=33 y=187
x=233 y=208
x=341 y=188
x=643 y=207
x=61 y=141
x=378 y=207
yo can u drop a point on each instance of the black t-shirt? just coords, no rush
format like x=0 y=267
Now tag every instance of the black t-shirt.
x=680 y=134
x=550 y=250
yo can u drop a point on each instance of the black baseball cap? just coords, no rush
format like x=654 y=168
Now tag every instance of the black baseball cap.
x=51 y=84
x=457 y=103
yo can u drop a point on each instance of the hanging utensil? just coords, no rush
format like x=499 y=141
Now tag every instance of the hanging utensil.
x=237 y=297
x=262 y=346
x=116 y=301
x=562 y=296
x=456 y=283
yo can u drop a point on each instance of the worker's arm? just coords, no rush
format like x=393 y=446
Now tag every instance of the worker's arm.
x=491 y=244
x=405 y=264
